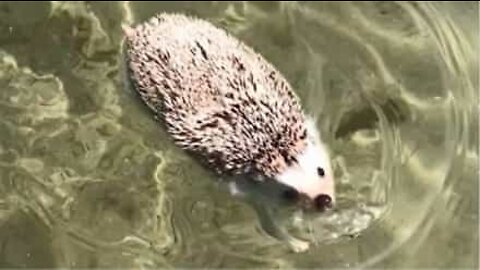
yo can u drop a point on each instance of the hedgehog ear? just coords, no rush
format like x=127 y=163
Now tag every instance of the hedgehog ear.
x=127 y=30
x=312 y=131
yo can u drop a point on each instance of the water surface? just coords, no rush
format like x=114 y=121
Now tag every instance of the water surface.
x=89 y=180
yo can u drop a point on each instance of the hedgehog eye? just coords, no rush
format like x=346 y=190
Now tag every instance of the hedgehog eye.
x=321 y=171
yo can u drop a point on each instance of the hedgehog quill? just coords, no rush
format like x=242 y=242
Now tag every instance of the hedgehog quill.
x=226 y=105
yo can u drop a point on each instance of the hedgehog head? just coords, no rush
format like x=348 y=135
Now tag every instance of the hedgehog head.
x=310 y=179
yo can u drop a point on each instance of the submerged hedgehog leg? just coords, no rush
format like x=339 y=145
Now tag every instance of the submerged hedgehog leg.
x=246 y=190
x=269 y=225
x=235 y=190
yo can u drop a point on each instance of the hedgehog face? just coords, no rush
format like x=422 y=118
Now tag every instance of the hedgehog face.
x=312 y=177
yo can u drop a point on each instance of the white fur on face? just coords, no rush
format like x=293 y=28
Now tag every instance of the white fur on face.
x=304 y=175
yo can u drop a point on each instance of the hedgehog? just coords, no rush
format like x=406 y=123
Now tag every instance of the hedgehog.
x=225 y=104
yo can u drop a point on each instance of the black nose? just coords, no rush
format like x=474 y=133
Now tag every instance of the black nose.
x=322 y=202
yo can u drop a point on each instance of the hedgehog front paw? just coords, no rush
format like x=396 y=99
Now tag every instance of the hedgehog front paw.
x=234 y=189
x=298 y=246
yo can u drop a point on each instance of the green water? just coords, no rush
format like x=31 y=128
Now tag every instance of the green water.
x=89 y=180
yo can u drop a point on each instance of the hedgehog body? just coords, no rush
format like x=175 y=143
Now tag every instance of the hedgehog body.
x=221 y=101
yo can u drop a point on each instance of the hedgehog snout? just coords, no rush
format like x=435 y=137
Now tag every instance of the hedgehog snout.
x=322 y=202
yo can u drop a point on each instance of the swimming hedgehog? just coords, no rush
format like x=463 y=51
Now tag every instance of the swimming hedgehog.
x=225 y=104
